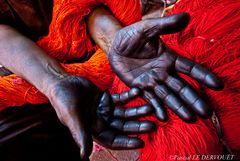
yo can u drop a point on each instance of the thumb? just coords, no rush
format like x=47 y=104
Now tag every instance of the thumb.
x=130 y=38
x=82 y=136
x=165 y=25
x=86 y=145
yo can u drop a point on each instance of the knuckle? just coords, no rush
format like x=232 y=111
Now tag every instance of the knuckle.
x=161 y=91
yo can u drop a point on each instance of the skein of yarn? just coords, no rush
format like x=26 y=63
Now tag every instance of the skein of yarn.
x=211 y=38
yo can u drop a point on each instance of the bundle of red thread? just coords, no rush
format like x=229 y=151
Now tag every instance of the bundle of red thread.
x=211 y=39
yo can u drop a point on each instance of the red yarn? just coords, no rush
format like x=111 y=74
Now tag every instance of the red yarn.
x=68 y=38
x=212 y=39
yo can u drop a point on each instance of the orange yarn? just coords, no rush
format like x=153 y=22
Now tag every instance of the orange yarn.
x=68 y=40
x=15 y=91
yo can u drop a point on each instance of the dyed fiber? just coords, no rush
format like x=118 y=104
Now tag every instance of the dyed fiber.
x=211 y=38
x=15 y=91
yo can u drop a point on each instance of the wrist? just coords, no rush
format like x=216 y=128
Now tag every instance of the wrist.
x=103 y=27
x=55 y=75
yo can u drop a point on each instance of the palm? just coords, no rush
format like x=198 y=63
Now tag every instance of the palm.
x=141 y=72
x=141 y=60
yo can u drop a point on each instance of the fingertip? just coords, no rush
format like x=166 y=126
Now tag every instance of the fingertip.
x=180 y=21
x=186 y=115
x=157 y=106
x=183 y=20
x=83 y=155
x=115 y=98
x=135 y=143
x=135 y=92
x=147 y=126
x=214 y=82
x=159 y=110
x=86 y=146
x=184 y=17
x=202 y=109
x=161 y=114
x=164 y=25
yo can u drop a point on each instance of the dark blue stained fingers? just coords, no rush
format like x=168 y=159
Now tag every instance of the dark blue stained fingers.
x=132 y=113
x=198 y=72
x=159 y=109
x=174 y=103
x=124 y=97
x=132 y=127
x=189 y=96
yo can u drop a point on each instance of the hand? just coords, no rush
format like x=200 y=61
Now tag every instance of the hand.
x=75 y=101
x=140 y=59
x=112 y=124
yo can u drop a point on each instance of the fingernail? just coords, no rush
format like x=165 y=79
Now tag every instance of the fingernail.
x=147 y=126
x=135 y=92
x=83 y=155
x=161 y=115
x=186 y=115
x=202 y=109
x=136 y=143
x=214 y=82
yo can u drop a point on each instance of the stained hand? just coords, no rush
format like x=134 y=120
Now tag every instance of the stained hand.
x=76 y=101
x=140 y=59
x=113 y=124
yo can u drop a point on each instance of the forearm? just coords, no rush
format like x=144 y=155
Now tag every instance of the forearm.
x=24 y=58
x=102 y=27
